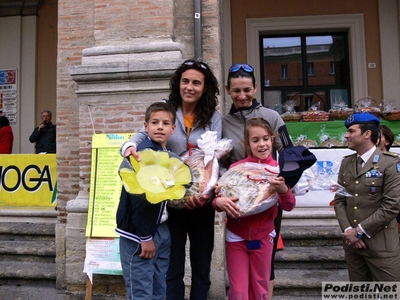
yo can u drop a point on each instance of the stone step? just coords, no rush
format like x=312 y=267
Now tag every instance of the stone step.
x=28 y=248
x=21 y=237
x=28 y=214
x=310 y=254
x=27 y=229
x=27 y=270
x=28 y=258
x=303 y=282
x=311 y=236
x=310 y=216
x=311 y=232
x=31 y=290
x=28 y=253
x=311 y=258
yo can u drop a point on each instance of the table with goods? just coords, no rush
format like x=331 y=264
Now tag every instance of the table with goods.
x=323 y=134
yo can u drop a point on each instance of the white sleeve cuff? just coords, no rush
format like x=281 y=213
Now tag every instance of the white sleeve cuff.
x=362 y=229
x=348 y=228
x=125 y=146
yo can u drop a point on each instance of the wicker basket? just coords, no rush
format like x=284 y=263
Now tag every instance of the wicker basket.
x=306 y=143
x=291 y=117
x=320 y=116
x=392 y=116
x=331 y=143
x=340 y=114
x=376 y=113
x=375 y=110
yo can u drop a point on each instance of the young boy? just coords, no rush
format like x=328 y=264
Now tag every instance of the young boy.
x=144 y=235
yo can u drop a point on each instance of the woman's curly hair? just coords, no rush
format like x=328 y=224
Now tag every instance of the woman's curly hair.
x=208 y=102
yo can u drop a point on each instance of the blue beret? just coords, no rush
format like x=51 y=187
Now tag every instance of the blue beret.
x=361 y=118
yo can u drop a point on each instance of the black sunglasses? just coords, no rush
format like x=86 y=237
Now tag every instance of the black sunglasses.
x=192 y=63
x=237 y=67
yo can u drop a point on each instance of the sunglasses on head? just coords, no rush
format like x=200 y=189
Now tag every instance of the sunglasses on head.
x=197 y=63
x=237 y=67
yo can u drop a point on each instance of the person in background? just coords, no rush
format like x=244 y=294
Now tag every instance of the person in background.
x=250 y=239
x=367 y=216
x=193 y=94
x=385 y=141
x=6 y=136
x=241 y=86
x=145 y=240
x=44 y=135
x=386 y=138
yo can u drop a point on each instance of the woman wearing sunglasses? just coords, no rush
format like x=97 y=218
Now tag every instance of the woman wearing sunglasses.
x=193 y=93
x=242 y=86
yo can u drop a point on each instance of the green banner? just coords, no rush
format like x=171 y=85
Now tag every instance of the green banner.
x=334 y=129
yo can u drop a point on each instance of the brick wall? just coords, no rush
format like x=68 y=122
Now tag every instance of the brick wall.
x=89 y=23
x=86 y=23
x=121 y=20
x=75 y=33
x=120 y=61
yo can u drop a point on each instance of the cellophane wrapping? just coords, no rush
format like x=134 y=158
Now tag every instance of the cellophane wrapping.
x=204 y=164
x=250 y=183
x=320 y=178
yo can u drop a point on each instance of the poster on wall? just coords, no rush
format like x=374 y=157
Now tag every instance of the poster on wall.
x=102 y=257
x=105 y=184
x=102 y=243
x=8 y=94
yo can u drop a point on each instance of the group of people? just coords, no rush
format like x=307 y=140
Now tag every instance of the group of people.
x=153 y=250
x=193 y=96
x=153 y=237
x=44 y=136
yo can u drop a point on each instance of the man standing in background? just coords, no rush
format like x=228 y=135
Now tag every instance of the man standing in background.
x=44 y=135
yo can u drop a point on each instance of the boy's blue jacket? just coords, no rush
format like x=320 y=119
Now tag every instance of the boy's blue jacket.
x=138 y=219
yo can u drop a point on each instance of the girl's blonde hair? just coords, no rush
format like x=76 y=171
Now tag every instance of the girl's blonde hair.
x=257 y=122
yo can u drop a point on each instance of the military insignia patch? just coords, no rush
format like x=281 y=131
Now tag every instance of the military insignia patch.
x=398 y=168
x=350 y=119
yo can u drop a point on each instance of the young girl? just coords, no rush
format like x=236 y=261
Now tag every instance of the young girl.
x=249 y=240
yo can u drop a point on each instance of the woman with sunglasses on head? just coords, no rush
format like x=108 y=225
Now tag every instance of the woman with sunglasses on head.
x=242 y=86
x=193 y=94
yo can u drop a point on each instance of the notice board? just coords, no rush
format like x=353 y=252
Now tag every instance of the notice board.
x=105 y=184
x=102 y=243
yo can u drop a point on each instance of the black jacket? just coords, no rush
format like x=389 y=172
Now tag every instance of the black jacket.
x=138 y=219
x=45 y=139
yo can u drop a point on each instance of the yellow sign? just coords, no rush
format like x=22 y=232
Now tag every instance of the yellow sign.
x=28 y=179
x=105 y=184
